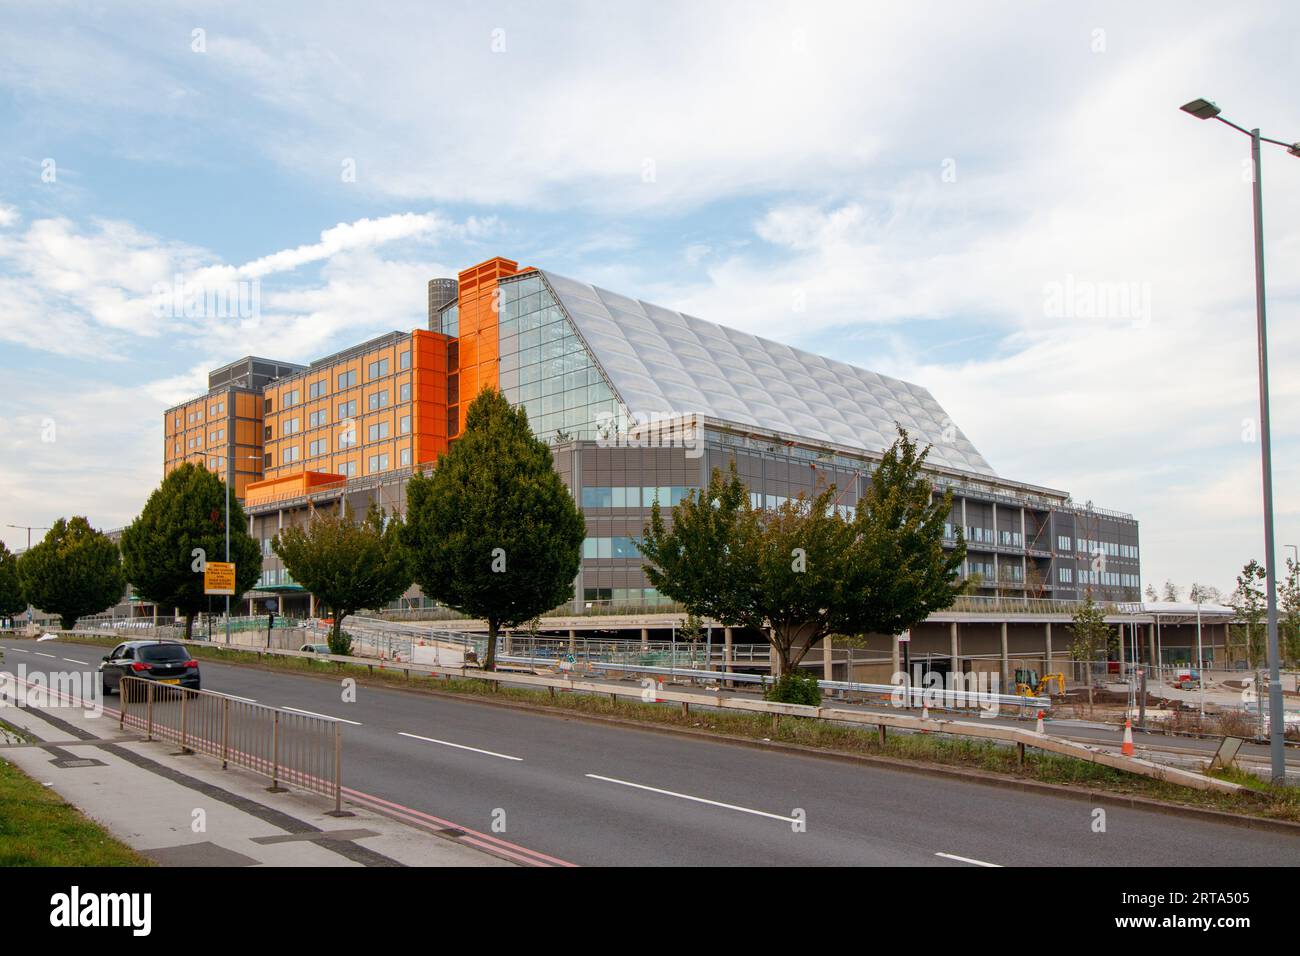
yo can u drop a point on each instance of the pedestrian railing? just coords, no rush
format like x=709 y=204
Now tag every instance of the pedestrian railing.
x=289 y=747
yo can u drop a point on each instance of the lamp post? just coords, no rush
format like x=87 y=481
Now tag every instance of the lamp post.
x=1204 y=109
x=230 y=477
x=29 y=529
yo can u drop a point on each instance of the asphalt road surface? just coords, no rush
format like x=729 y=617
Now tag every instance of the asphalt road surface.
x=593 y=794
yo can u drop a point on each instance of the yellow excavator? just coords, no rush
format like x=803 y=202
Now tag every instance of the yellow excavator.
x=1029 y=684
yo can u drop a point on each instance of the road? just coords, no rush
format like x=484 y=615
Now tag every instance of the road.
x=594 y=794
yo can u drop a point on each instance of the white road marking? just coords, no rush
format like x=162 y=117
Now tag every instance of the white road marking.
x=966 y=859
x=246 y=700
x=687 y=796
x=50 y=656
x=73 y=660
x=309 y=713
x=20 y=650
x=448 y=743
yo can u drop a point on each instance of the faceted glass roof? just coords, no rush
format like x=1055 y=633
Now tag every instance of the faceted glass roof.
x=661 y=361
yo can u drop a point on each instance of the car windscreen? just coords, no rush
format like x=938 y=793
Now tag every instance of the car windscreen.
x=162 y=653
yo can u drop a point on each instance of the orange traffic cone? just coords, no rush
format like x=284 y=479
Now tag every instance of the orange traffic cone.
x=1039 y=727
x=1127 y=749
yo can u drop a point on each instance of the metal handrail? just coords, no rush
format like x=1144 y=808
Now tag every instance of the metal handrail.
x=289 y=747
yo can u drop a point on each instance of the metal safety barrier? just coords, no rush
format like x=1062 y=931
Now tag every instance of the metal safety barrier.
x=299 y=749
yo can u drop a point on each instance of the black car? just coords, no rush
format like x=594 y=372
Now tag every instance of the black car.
x=163 y=661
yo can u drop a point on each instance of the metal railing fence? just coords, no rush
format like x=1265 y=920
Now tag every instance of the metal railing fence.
x=299 y=749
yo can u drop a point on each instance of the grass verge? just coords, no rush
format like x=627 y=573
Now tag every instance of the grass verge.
x=1264 y=800
x=39 y=828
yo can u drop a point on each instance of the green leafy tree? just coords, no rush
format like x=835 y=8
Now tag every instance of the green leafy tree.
x=1289 y=604
x=1090 y=636
x=493 y=532
x=1249 y=602
x=900 y=572
x=348 y=564
x=12 y=601
x=804 y=570
x=74 y=571
x=187 y=511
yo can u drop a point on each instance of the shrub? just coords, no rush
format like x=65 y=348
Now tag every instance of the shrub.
x=795 y=687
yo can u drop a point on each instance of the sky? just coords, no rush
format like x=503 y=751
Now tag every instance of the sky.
x=999 y=201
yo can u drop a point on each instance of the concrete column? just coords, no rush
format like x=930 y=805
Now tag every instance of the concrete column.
x=1047 y=638
x=726 y=652
x=645 y=638
x=828 y=667
x=573 y=640
x=1151 y=641
x=1005 y=671
x=776 y=659
x=956 y=647
x=896 y=656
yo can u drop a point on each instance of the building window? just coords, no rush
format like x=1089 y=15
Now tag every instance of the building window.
x=404 y=392
x=376 y=464
x=404 y=425
x=347 y=438
x=291 y=398
x=348 y=409
x=266 y=460
x=317 y=448
x=377 y=370
x=347 y=379
x=267 y=404
x=290 y=454
x=290 y=426
x=378 y=431
x=348 y=469
x=377 y=400
x=317 y=419
x=404 y=359
x=404 y=456
x=316 y=389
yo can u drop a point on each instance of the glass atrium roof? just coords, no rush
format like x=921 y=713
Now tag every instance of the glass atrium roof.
x=660 y=361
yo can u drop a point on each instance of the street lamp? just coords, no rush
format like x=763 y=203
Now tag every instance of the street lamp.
x=29 y=529
x=230 y=477
x=1204 y=109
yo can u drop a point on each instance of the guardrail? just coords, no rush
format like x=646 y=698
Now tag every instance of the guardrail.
x=300 y=749
x=177 y=724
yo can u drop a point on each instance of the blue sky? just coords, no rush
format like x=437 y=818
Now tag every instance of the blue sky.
x=900 y=186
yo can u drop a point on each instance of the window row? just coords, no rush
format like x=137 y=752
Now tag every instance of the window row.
x=633 y=496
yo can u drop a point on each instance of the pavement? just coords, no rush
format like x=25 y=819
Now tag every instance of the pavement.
x=568 y=790
x=183 y=810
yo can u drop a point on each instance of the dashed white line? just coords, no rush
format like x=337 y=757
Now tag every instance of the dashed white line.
x=246 y=700
x=73 y=660
x=50 y=656
x=966 y=859
x=686 y=796
x=310 y=713
x=20 y=650
x=448 y=743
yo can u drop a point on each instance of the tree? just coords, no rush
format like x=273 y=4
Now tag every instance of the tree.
x=1289 y=603
x=348 y=564
x=73 y=572
x=900 y=572
x=1091 y=636
x=493 y=532
x=804 y=570
x=1249 y=602
x=187 y=511
x=1150 y=593
x=1171 y=592
x=1204 y=594
x=12 y=601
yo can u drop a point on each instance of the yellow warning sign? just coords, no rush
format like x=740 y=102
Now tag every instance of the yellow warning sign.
x=219 y=578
